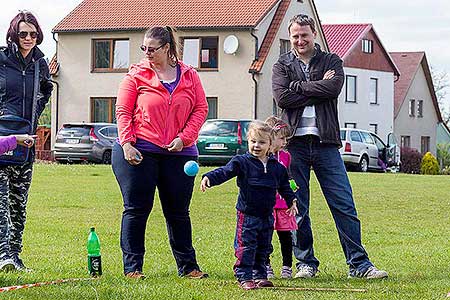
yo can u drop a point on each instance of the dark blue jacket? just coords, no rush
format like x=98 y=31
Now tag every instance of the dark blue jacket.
x=257 y=184
x=17 y=82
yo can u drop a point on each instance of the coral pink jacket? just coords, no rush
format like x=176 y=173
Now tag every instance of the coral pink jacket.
x=147 y=111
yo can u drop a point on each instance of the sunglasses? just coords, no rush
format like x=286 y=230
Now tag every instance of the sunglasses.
x=150 y=50
x=24 y=34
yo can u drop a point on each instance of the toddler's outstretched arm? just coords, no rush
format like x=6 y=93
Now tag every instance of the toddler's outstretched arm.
x=204 y=184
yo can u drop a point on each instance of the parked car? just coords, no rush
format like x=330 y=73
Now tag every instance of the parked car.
x=220 y=139
x=91 y=142
x=362 y=149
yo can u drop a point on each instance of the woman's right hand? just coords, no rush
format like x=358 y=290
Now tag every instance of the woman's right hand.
x=131 y=154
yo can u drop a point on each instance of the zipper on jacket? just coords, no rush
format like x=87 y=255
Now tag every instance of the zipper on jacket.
x=265 y=166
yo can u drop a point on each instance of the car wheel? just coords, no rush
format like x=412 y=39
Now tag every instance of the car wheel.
x=363 y=165
x=106 y=159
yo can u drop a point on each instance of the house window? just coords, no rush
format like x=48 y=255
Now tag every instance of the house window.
x=103 y=110
x=212 y=107
x=424 y=144
x=367 y=46
x=110 y=55
x=350 y=125
x=201 y=53
x=350 y=88
x=420 y=108
x=373 y=93
x=285 y=46
x=412 y=107
x=373 y=127
x=405 y=141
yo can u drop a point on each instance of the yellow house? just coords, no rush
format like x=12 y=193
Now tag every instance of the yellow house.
x=232 y=43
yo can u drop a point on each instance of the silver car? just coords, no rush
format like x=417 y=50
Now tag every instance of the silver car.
x=91 y=142
x=366 y=151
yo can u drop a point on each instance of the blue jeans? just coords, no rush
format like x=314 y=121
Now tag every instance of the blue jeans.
x=138 y=184
x=307 y=152
x=252 y=246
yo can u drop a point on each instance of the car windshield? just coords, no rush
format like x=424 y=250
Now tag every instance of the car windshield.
x=343 y=135
x=74 y=131
x=219 y=128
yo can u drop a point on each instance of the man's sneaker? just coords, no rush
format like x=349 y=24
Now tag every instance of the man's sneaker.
x=270 y=273
x=371 y=273
x=305 y=271
x=247 y=285
x=135 y=275
x=19 y=265
x=263 y=283
x=7 y=265
x=196 y=274
x=286 y=272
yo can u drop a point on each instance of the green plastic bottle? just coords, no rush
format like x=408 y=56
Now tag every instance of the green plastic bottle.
x=94 y=257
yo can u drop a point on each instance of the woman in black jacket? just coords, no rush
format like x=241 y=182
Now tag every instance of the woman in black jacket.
x=17 y=97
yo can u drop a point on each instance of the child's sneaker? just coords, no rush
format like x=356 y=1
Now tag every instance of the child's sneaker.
x=286 y=272
x=247 y=285
x=7 y=265
x=263 y=283
x=270 y=273
x=305 y=271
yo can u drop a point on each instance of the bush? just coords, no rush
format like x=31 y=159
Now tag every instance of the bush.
x=443 y=155
x=446 y=171
x=411 y=159
x=429 y=165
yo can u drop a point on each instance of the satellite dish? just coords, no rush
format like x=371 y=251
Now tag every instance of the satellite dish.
x=231 y=44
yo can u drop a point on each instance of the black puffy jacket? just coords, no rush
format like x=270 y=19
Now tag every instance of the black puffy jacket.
x=293 y=92
x=17 y=83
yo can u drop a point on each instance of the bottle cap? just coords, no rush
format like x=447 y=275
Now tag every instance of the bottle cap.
x=92 y=228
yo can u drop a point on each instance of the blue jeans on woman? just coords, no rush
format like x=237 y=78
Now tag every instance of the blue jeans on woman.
x=138 y=184
x=306 y=152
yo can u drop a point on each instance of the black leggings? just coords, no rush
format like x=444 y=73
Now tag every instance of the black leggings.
x=285 y=238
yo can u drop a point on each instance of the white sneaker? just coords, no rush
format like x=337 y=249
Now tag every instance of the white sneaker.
x=286 y=272
x=7 y=265
x=305 y=271
x=270 y=273
x=371 y=273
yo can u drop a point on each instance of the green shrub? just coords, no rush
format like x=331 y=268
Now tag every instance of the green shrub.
x=446 y=171
x=443 y=155
x=429 y=165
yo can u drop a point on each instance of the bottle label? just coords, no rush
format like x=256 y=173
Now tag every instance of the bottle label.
x=95 y=265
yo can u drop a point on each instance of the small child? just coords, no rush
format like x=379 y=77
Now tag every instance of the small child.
x=259 y=176
x=10 y=142
x=284 y=223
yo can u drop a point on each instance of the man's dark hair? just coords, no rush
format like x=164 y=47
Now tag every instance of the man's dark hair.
x=302 y=20
x=13 y=32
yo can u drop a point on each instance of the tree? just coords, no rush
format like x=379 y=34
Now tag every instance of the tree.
x=441 y=82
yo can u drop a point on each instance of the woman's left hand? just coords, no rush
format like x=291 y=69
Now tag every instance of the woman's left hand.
x=176 y=145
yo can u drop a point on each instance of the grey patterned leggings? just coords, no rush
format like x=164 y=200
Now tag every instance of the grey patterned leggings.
x=14 y=184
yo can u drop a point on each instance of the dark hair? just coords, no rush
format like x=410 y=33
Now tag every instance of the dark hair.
x=13 y=32
x=302 y=20
x=165 y=36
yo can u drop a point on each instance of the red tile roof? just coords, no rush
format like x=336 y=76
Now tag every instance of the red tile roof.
x=409 y=63
x=342 y=38
x=102 y=15
x=53 y=66
x=270 y=36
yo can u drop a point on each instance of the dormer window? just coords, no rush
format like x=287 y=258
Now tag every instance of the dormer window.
x=367 y=46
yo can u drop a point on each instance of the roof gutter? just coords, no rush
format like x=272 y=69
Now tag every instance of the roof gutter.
x=254 y=73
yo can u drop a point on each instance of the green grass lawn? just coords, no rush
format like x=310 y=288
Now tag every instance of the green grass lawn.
x=405 y=223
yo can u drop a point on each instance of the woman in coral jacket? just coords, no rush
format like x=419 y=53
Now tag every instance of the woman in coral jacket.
x=161 y=106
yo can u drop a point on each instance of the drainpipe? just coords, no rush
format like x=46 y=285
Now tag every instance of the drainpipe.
x=254 y=72
x=57 y=87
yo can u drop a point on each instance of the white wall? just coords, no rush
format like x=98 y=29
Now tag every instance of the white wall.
x=362 y=112
x=414 y=126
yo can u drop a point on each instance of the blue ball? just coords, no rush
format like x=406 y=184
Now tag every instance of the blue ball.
x=191 y=168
